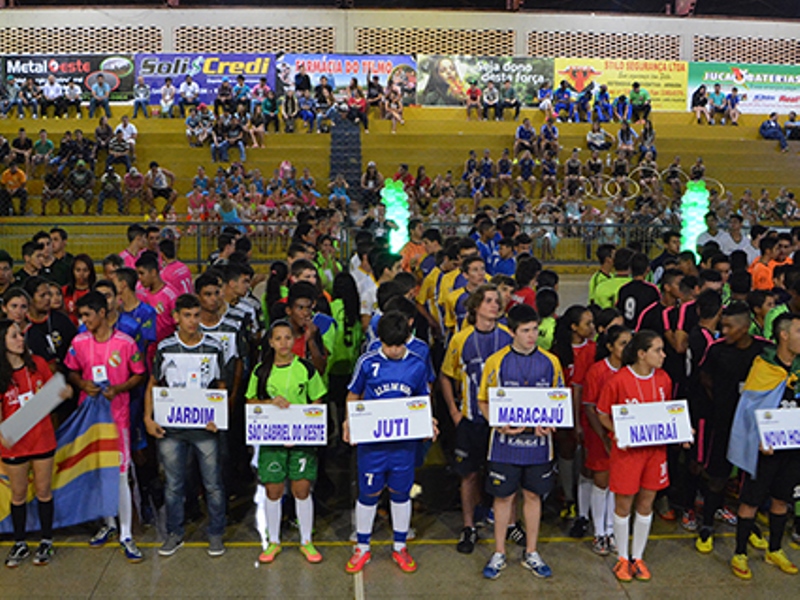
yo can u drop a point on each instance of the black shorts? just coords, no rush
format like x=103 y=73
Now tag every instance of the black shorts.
x=778 y=477
x=472 y=446
x=714 y=457
x=503 y=479
x=717 y=110
x=21 y=460
x=162 y=193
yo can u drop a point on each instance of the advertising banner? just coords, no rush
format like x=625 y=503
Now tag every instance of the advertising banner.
x=117 y=70
x=339 y=69
x=763 y=88
x=665 y=80
x=206 y=69
x=443 y=80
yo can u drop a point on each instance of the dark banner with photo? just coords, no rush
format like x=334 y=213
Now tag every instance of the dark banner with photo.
x=117 y=70
x=444 y=79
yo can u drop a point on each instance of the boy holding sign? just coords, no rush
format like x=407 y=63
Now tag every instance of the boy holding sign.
x=391 y=372
x=519 y=456
x=282 y=379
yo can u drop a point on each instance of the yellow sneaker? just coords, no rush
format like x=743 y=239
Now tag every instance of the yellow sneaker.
x=759 y=542
x=704 y=547
x=740 y=566
x=780 y=560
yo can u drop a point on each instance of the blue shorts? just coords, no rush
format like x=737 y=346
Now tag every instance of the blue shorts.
x=386 y=465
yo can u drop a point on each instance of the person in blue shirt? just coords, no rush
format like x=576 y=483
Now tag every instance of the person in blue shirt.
x=544 y=98
x=519 y=457
x=732 y=112
x=486 y=243
x=622 y=110
x=308 y=109
x=504 y=262
x=549 y=137
x=562 y=99
x=101 y=93
x=525 y=138
x=241 y=93
x=602 y=105
x=771 y=130
x=716 y=104
x=470 y=167
x=389 y=373
x=583 y=105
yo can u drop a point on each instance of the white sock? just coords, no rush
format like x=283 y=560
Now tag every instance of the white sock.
x=274 y=520
x=599 y=510
x=305 y=516
x=567 y=472
x=261 y=515
x=401 y=521
x=641 y=531
x=621 y=529
x=112 y=521
x=609 y=512
x=125 y=508
x=585 y=486
x=365 y=518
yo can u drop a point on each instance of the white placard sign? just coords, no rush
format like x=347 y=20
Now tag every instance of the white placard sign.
x=530 y=407
x=779 y=428
x=390 y=420
x=14 y=428
x=189 y=408
x=652 y=423
x=299 y=425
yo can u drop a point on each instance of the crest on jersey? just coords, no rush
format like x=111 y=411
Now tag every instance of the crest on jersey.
x=115 y=359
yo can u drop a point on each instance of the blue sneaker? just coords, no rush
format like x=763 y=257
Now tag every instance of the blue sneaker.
x=496 y=564
x=131 y=551
x=534 y=563
x=104 y=535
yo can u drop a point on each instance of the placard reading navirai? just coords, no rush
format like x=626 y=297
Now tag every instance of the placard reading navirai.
x=190 y=408
x=390 y=420
x=652 y=423
x=779 y=428
x=530 y=407
x=300 y=424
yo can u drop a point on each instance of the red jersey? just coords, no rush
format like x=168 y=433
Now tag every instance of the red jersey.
x=597 y=377
x=582 y=360
x=71 y=303
x=524 y=296
x=24 y=385
x=626 y=387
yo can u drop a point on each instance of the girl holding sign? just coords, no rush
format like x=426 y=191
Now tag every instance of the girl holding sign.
x=21 y=376
x=283 y=378
x=636 y=472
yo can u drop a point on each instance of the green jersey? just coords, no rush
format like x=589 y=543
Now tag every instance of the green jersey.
x=298 y=382
x=606 y=292
x=640 y=97
x=347 y=344
x=770 y=318
x=598 y=278
x=547 y=332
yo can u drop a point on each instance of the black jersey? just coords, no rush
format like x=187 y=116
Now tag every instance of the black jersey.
x=633 y=298
x=654 y=318
x=700 y=339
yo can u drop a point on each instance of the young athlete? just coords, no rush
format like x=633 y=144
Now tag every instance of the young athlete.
x=391 y=372
x=282 y=378
x=519 y=457
x=156 y=293
x=635 y=472
x=105 y=361
x=596 y=442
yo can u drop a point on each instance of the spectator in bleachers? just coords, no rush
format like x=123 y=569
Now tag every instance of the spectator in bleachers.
x=622 y=109
x=9 y=95
x=159 y=183
x=168 y=95
x=66 y=155
x=525 y=138
x=562 y=103
x=84 y=148
x=241 y=94
x=491 y=101
x=234 y=137
x=271 y=109
x=626 y=139
x=129 y=134
x=13 y=184
x=371 y=184
x=224 y=98
x=548 y=139
x=771 y=130
x=290 y=110
x=302 y=82
x=193 y=129
x=102 y=136
x=394 y=108
x=141 y=98
x=474 y=99
x=308 y=109
x=716 y=105
x=583 y=105
x=326 y=108
x=30 y=96
x=110 y=188
x=42 y=151
x=53 y=189
x=256 y=127
x=52 y=95
x=598 y=138
x=357 y=108
x=258 y=94
x=602 y=105
x=188 y=94
x=732 y=112
x=134 y=188
x=73 y=95
x=700 y=104
x=79 y=184
x=21 y=149
x=119 y=151
x=544 y=98
x=640 y=103
x=647 y=140
x=509 y=100
x=101 y=93
x=792 y=127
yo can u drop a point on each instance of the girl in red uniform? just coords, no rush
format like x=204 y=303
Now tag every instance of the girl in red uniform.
x=21 y=376
x=81 y=280
x=636 y=472
x=596 y=441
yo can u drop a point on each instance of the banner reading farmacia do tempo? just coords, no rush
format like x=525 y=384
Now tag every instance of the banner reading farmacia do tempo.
x=763 y=88
x=443 y=80
x=665 y=80
x=206 y=69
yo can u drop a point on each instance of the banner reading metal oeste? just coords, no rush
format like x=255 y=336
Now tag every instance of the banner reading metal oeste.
x=117 y=70
x=444 y=79
x=665 y=80
x=763 y=88
x=206 y=69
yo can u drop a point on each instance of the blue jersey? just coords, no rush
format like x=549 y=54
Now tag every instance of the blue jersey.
x=470 y=168
x=562 y=95
x=733 y=101
x=427 y=264
x=549 y=132
x=509 y=368
x=545 y=93
x=487 y=168
x=525 y=133
x=145 y=316
x=416 y=346
x=486 y=250
x=602 y=98
x=526 y=166
x=504 y=266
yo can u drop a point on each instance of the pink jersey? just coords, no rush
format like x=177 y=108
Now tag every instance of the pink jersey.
x=130 y=259
x=112 y=362
x=163 y=301
x=178 y=276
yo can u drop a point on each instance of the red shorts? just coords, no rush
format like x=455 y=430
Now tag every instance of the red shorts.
x=638 y=468
x=596 y=456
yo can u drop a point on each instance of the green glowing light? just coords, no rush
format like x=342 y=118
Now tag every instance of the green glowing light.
x=694 y=206
x=395 y=199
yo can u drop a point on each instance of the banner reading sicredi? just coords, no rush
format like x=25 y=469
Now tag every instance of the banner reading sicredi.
x=763 y=88
x=665 y=80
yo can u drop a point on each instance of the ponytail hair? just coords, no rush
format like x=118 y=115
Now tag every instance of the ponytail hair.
x=608 y=338
x=562 y=338
x=640 y=341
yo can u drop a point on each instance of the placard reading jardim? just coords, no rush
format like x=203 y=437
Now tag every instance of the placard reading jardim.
x=190 y=408
x=530 y=407
x=779 y=428
x=300 y=424
x=652 y=423
x=390 y=420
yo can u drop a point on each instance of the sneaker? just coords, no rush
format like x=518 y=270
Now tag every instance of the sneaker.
x=600 y=545
x=131 y=551
x=404 y=560
x=758 y=541
x=640 y=570
x=467 y=540
x=310 y=552
x=569 y=511
x=740 y=566
x=496 y=564
x=623 y=570
x=516 y=533
x=534 y=563
x=611 y=544
x=19 y=552
x=705 y=542
x=668 y=514
x=104 y=535
x=725 y=515
x=358 y=561
x=171 y=545
x=411 y=535
x=215 y=546
x=44 y=553
x=794 y=540
x=780 y=560
x=268 y=555
x=689 y=520
x=579 y=527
